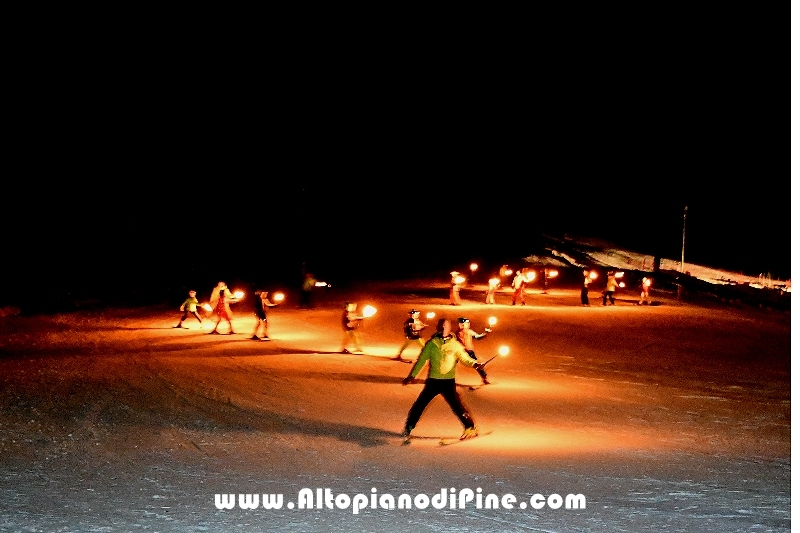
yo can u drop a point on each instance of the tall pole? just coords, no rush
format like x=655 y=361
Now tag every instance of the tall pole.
x=683 y=246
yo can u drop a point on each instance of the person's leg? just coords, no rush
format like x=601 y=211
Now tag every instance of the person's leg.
x=429 y=392
x=197 y=316
x=357 y=339
x=183 y=317
x=345 y=341
x=453 y=399
x=403 y=347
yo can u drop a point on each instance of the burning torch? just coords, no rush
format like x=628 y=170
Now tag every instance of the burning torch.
x=503 y=351
x=278 y=297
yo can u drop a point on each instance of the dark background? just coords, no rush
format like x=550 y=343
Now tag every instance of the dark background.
x=153 y=173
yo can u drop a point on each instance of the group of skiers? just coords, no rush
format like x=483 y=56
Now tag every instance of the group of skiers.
x=220 y=300
x=611 y=287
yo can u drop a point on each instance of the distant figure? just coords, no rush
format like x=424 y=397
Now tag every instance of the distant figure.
x=502 y=274
x=519 y=288
x=611 y=287
x=309 y=282
x=189 y=306
x=351 y=321
x=220 y=300
x=585 y=289
x=644 y=298
x=494 y=284
x=412 y=328
x=261 y=306
x=456 y=280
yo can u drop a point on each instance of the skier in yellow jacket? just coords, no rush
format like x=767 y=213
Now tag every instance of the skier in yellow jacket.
x=441 y=353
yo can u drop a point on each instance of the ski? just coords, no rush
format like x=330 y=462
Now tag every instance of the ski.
x=449 y=441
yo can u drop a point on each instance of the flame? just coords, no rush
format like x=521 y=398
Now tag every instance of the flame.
x=530 y=275
x=553 y=273
x=430 y=315
x=322 y=284
x=473 y=267
x=460 y=279
x=646 y=282
x=503 y=351
x=592 y=275
x=492 y=320
x=278 y=297
x=622 y=284
x=238 y=294
x=207 y=307
x=508 y=272
x=494 y=282
x=368 y=311
x=619 y=274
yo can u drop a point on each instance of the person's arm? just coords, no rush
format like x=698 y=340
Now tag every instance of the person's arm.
x=476 y=335
x=424 y=357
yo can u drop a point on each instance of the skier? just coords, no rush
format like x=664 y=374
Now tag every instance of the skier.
x=220 y=300
x=456 y=280
x=261 y=306
x=611 y=287
x=587 y=279
x=441 y=353
x=494 y=284
x=412 y=328
x=189 y=306
x=519 y=288
x=644 y=298
x=351 y=321
x=465 y=336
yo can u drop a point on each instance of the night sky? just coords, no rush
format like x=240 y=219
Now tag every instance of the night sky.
x=166 y=176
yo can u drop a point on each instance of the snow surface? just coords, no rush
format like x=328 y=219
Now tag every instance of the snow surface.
x=673 y=417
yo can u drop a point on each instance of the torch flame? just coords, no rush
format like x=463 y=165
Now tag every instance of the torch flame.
x=492 y=320
x=460 y=279
x=473 y=267
x=321 y=284
x=238 y=294
x=278 y=297
x=207 y=307
x=553 y=273
x=592 y=275
x=531 y=275
x=368 y=311
x=508 y=272
x=619 y=274
x=503 y=351
x=430 y=315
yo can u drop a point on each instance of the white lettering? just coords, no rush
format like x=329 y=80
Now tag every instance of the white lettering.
x=272 y=501
x=421 y=501
x=537 y=501
x=575 y=501
x=248 y=501
x=305 y=499
x=439 y=501
x=342 y=501
x=359 y=502
x=224 y=501
x=554 y=501
x=466 y=495
x=508 y=501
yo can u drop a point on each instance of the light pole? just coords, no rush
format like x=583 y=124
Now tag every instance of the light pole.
x=683 y=246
